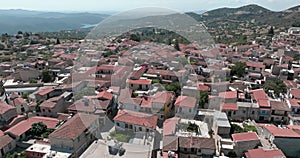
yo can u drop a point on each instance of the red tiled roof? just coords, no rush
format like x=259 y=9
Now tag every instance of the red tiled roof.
x=293 y=127
x=290 y=84
x=105 y=67
x=162 y=97
x=197 y=142
x=146 y=103
x=282 y=132
x=263 y=103
x=19 y=101
x=262 y=153
x=228 y=95
x=48 y=104
x=242 y=137
x=102 y=95
x=5 y=140
x=229 y=106
x=170 y=126
x=186 y=101
x=5 y=107
x=137 y=118
x=259 y=94
x=45 y=91
x=74 y=127
x=170 y=143
x=25 y=125
x=202 y=87
x=295 y=93
x=296 y=69
x=279 y=106
x=161 y=72
x=142 y=82
x=261 y=97
x=255 y=64
x=294 y=102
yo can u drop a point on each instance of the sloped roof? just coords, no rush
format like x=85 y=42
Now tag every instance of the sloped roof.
x=25 y=125
x=262 y=153
x=136 y=118
x=242 y=137
x=186 y=101
x=74 y=127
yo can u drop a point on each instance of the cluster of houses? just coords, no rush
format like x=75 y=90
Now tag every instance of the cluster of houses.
x=172 y=108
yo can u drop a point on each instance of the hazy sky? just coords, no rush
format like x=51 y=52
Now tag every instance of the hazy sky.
x=121 y=5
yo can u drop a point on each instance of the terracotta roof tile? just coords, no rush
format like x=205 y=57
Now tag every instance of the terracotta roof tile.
x=242 y=137
x=295 y=93
x=170 y=143
x=197 y=142
x=25 y=125
x=279 y=106
x=170 y=126
x=186 y=101
x=162 y=97
x=262 y=153
x=229 y=106
x=228 y=95
x=5 y=140
x=74 y=127
x=5 y=107
x=282 y=132
x=142 y=82
x=137 y=118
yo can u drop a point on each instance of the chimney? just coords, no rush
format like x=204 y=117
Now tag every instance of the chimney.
x=86 y=101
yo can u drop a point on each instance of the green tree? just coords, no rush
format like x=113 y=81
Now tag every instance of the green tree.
x=46 y=77
x=176 y=45
x=238 y=69
x=2 y=46
x=57 y=41
x=33 y=81
x=174 y=87
x=271 y=31
x=37 y=129
x=203 y=99
x=276 y=85
x=135 y=37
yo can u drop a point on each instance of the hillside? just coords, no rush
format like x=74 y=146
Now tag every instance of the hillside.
x=254 y=13
x=12 y=21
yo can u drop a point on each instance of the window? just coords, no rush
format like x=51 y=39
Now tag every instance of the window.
x=43 y=110
x=118 y=124
x=180 y=109
x=126 y=125
x=78 y=138
x=253 y=112
x=190 y=110
x=234 y=113
x=192 y=149
x=49 y=110
x=140 y=128
x=244 y=111
x=185 y=149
